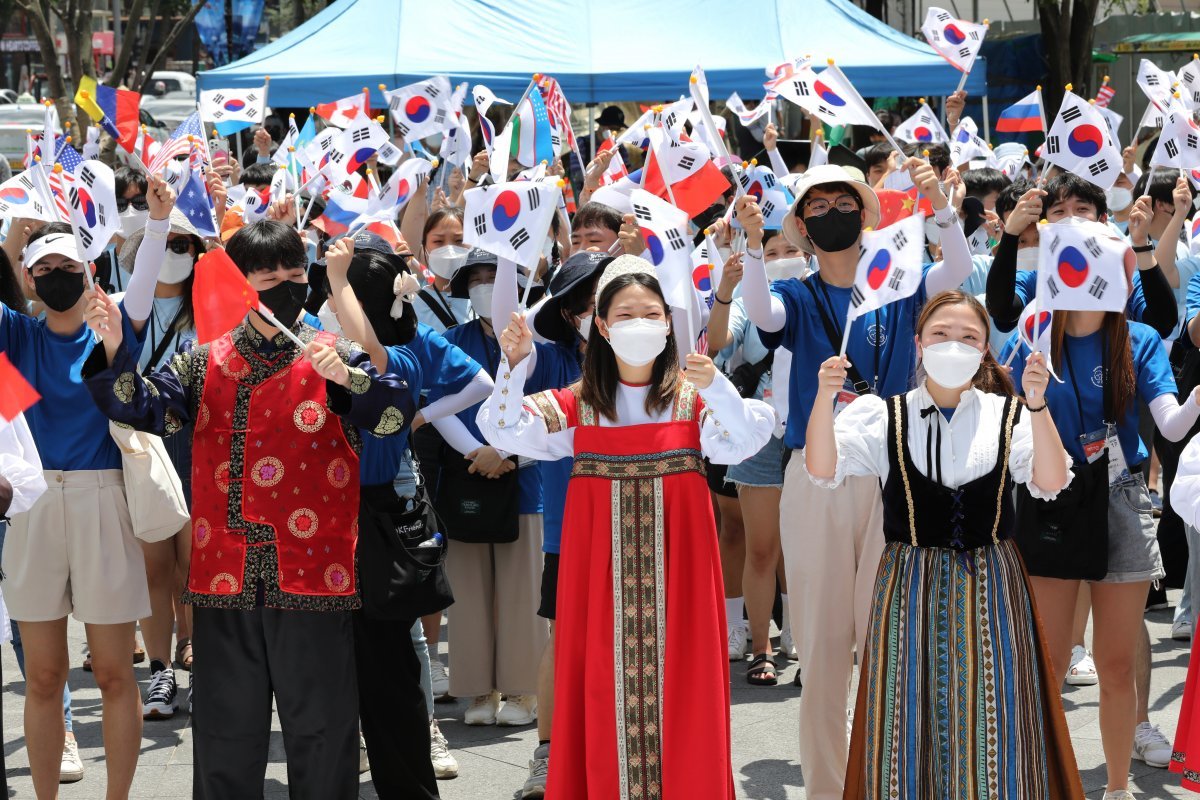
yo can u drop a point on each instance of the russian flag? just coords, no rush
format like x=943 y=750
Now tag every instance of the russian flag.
x=1025 y=116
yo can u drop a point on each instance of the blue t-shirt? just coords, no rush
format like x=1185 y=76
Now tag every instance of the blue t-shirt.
x=1083 y=378
x=1135 y=307
x=311 y=320
x=426 y=361
x=70 y=431
x=881 y=346
x=550 y=372
x=556 y=474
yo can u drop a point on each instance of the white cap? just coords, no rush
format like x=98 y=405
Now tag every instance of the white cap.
x=62 y=244
x=818 y=176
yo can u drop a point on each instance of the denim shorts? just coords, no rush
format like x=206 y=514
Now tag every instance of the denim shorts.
x=763 y=469
x=1133 y=554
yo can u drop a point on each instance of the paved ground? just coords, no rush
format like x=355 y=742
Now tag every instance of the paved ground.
x=493 y=760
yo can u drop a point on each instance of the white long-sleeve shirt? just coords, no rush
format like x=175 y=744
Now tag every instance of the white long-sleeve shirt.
x=20 y=464
x=1185 y=491
x=969 y=441
x=734 y=430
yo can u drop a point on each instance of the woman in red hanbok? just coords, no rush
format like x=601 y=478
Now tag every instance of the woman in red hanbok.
x=641 y=673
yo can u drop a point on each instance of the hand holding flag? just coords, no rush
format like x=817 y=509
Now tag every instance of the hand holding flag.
x=955 y=40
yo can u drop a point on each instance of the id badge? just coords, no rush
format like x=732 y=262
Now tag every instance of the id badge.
x=844 y=398
x=1094 y=444
x=1118 y=470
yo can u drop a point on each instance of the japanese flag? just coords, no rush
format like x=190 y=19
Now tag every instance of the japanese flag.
x=1179 y=143
x=92 y=196
x=22 y=197
x=1081 y=267
x=922 y=126
x=829 y=95
x=232 y=110
x=1079 y=142
x=889 y=266
x=1039 y=340
x=760 y=183
x=352 y=148
x=511 y=219
x=956 y=40
x=421 y=109
x=668 y=246
x=1189 y=82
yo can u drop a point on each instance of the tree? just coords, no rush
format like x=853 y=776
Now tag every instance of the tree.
x=1067 y=30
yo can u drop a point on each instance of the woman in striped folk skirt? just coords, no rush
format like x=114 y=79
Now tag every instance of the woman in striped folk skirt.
x=957 y=697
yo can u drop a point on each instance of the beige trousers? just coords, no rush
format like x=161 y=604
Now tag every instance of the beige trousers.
x=832 y=542
x=496 y=637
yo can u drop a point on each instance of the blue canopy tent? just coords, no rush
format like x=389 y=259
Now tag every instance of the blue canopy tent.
x=610 y=51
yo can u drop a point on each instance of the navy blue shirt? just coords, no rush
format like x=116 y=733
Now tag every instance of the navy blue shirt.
x=556 y=474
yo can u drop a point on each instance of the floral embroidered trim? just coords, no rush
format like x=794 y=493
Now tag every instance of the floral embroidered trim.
x=123 y=387
x=310 y=416
x=391 y=421
x=546 y=406
x=360 y=382
x=653 y=465
x=303 y=523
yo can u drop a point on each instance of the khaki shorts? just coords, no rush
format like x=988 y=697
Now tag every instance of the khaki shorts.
x=75 y=553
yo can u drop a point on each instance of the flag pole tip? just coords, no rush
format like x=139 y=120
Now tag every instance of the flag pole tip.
x=84 y=94
x=829 y=61
x=987 y=21
x=266 y=78
x=867 y=228
x=1106 y=79
x=436 y=161
x=925 y=153
x=754 y=162
x=1068 y=87
x=383 y=87
x=1039 y=87
x=922 y=101
x=692 y=79
x=292 y=115
x=312 y=109
x=561 y=183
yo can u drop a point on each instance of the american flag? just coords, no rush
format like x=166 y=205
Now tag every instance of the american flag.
x=66 y=157
x=178 y=144
x=1104 y=94
x=559 y=108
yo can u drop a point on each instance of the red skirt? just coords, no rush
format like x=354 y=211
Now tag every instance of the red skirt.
x=641 y=700
x=1185 y=755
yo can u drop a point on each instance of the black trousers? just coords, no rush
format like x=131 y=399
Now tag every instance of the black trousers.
x=395 y=720
x=305 y=660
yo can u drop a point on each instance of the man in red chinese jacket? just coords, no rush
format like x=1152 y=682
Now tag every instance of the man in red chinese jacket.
x=274 y=520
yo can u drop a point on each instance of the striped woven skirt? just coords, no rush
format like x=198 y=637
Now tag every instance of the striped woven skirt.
x=957 y=697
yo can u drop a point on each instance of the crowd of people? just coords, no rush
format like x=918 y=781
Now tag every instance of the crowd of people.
x=607 y=520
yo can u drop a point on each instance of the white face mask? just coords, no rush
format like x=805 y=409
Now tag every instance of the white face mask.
x=637 y=342
x=329 y=320
x=1027 y=258
x=176 y=268
x=132 y=220
x=1118 y=198
x=783 y=268
x=951 y=364
x=481 y=299
x=446 y=260
x=584 y=326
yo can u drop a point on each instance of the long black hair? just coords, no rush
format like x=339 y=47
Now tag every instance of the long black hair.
x=372 y=276
x=598 y=386
x=11 y=293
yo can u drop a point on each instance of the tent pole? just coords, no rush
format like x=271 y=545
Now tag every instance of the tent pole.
x=986 y=126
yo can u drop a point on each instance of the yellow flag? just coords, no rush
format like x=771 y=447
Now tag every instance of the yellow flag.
x=85 y=98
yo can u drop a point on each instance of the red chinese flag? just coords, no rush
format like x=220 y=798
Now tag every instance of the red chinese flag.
x=221 y=296
x=16 y=394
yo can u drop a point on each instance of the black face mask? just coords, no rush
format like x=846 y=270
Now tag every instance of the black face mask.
x=58 y=289
x=285 y=300
x=835 y=231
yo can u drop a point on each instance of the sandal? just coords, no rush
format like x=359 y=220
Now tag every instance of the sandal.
x=183 y=654
x=762 y=671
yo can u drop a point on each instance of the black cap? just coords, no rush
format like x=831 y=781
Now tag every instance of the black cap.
x=611 y=117
x=578 y=269
x=845 y=157
x=478 y=256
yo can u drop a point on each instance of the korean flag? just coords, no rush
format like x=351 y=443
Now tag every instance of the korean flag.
x=922 y=127
x=1179 y=143
x=1081 y=267
x=1035 y=337
x=889 y=266
x=668 y=246
x=760 y=182
x=20 y=197
x=956 y=40
x=511 y=220
x=421 y=109
x=92 y=198
x=1079 y=141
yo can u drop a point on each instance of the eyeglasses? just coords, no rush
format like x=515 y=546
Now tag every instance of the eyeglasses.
x=819 y=206
x=179 y=246
x=137 y=201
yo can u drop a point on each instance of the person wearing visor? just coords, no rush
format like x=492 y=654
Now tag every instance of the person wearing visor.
x=832 y=540
x=275 y=501
x=75 y=551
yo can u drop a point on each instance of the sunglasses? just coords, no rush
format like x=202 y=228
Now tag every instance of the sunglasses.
x=179 y=246
x=137 y=201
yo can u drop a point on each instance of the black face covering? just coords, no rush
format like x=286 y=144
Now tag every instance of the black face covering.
x=58 y=289
x=285 y=300
x=835 y=231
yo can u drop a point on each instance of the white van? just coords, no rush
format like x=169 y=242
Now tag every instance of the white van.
x=171 y=82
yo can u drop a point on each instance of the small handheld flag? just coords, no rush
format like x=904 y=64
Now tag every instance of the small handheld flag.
x=922 y=126
x=233 y=110
x=1179 y=143
x=221 y=296
x=16 y=393
x=347 y=111
x=22 y=196
x=511 y=220
x=1189 y=81
x=115 y=110
x=1079 y=142
x=955 y=40
x=1023 y=116
x=92 y=194
x=1081 y=267
x=421 y=109
x=889 y=268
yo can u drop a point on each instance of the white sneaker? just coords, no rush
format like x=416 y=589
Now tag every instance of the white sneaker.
x=539 y=769
x=440 y=677
x=738 y=639
x=71 y=769
x=1150 y=746
x=519 y=709
x=445 y=766
x=1119 y=794
x=787 y=645
x=483 y=710
x=363 y=764
x=1083 y=668
x=1181 y=630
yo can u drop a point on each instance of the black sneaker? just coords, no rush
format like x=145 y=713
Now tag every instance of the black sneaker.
x=162 y=697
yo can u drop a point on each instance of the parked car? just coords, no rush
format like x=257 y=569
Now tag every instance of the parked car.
x=164 y=82
x=171 y=108
x=7 y=96
x=15 y=120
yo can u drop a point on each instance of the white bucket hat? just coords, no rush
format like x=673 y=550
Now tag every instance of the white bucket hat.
x=818 y=176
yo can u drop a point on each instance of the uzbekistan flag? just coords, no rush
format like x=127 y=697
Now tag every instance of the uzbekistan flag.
x=116 y=110
x=1024 y=116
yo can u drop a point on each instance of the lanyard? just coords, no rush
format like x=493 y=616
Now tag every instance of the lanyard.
x=1103 y=383
x=826 y=310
